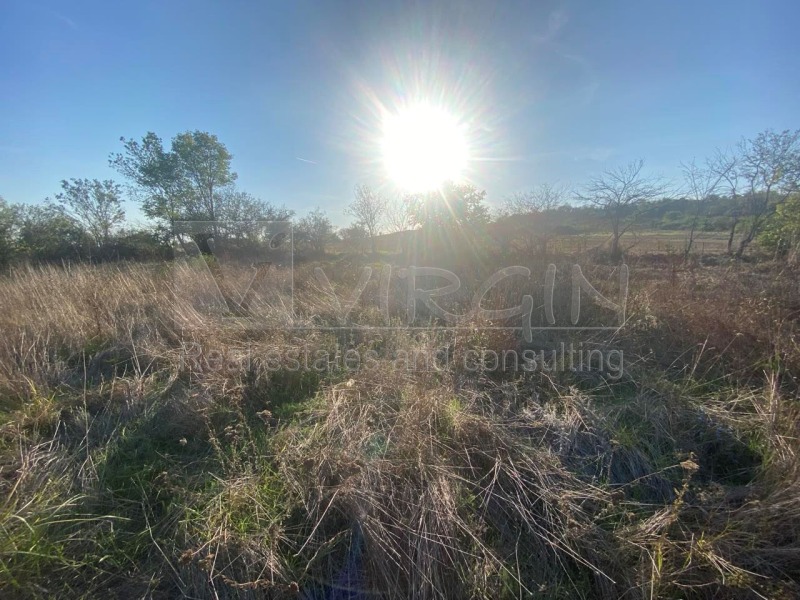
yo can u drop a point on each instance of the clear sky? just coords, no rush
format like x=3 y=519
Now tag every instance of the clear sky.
x=549 y=91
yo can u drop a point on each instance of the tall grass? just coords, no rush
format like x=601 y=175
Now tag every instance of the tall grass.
x=129 y=469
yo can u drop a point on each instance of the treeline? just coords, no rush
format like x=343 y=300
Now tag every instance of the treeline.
x=49 y=233
x=191 y=180
x=749 y=191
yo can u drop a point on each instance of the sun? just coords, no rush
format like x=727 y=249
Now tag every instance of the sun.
x=423 y=147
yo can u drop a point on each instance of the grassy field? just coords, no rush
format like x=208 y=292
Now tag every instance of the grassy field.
x=638 y=243
x=645 y=242
x=150 y=449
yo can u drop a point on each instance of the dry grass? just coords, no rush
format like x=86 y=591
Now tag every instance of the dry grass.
x=130 y=467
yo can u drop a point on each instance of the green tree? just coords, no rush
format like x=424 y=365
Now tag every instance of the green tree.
x=140 y=243
x=781 y=232
x=155 y=177
x=95 y=204
x=47 y=234
x=9 y=215
x=769 y=164
x=454 y=205
x=240 y=212
x=355 y=236
x=205 y=168
x=449 y=222
x=314 y=232
x=183 y=183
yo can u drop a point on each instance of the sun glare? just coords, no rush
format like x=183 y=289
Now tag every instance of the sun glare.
x=423 y=147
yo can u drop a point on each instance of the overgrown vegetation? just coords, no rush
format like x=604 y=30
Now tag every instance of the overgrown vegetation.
x=149 y=450
x=152 y=446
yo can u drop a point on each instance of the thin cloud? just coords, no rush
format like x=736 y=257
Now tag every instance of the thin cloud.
x=64 y=19
x=305 y=160
x=556 y=21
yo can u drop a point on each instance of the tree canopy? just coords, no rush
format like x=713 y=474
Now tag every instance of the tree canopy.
x=453 y=205
x=182 y=183
x=95 y=204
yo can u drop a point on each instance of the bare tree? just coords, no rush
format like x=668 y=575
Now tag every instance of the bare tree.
x=399 y=214
x=368 y=208
x=769 y=165
x=538 y=201
x=622 y=194
x=95 y=204
x=725 y=164
x=701 y=183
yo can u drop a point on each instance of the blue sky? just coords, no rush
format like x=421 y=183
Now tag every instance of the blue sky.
x=549 y=91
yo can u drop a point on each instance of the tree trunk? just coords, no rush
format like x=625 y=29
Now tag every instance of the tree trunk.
x=690 y=241
x=688 y=250
x=745 y=242
x=615 y=252
x=752 y=232
x=732 y=234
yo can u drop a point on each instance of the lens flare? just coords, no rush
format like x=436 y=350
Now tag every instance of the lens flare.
x=423 y=147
